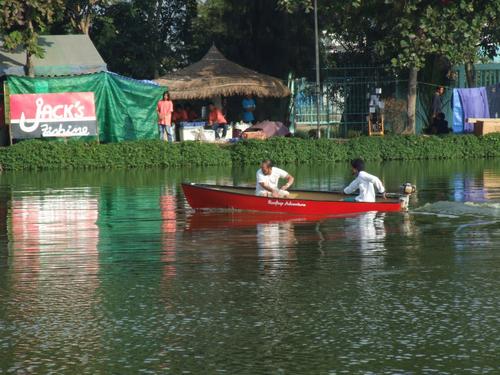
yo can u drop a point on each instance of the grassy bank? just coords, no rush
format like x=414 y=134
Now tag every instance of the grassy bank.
x=36 y=155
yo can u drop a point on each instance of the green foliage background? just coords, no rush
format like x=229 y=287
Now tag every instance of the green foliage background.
x=40 y=155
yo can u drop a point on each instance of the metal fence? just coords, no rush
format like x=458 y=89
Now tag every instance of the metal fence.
x=344 y=99
x=485 y=75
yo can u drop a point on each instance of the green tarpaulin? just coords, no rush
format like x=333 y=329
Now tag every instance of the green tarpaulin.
x=125 y=108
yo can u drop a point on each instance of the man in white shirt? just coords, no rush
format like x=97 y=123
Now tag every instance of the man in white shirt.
x=268 y=178
x=364 y=182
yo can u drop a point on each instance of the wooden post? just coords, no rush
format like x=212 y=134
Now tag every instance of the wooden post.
x=96 y=126
x=6 y=106
x=318 y=88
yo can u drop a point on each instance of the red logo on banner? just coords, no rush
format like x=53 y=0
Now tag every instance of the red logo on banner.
x=53 y=115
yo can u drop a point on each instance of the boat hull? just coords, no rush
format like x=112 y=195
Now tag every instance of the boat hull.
x=215 y=197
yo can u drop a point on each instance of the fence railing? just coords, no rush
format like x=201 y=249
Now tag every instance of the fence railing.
x=344 y=103
x=344 y=99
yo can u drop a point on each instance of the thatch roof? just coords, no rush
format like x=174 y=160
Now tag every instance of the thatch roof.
x=214 y=75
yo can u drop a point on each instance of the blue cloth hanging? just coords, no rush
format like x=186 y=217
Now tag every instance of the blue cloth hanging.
x=474 y=104
x=458 y=113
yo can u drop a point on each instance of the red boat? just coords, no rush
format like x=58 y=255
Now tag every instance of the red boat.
x=302 y=202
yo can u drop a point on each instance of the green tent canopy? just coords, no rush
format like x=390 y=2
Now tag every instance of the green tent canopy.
x=125 y=107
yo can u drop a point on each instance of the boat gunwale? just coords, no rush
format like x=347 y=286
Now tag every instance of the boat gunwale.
x=211 y=187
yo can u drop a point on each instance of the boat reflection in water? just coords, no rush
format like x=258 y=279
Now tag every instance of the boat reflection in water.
x=276 y=246
x=274 y=233
x=205 y=220
x=368 y=229
x=369 y=232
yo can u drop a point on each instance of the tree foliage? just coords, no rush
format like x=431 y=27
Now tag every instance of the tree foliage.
x=79 y=15
x=145 y=38
x=258 y=34
x=23 y=20
x=407 y=33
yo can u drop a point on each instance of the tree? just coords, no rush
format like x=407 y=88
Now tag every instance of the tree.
x=22 y=21
x=455 y=30
x=258 y=34
x=467 y=31
x=144 y=38
x=407 y=33
x=409 y=43
x=81 y=13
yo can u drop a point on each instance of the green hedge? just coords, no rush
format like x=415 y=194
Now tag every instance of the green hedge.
x=38 y=154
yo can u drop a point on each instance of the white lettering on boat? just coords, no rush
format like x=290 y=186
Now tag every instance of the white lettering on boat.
x=285 y=203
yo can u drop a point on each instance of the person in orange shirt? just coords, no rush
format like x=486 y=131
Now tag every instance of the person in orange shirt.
x=164 y=109
x=192 y=115
x=180 y=114
x=217 y=120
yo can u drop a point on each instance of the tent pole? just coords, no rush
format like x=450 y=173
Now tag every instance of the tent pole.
x=316 y=42
x=6 y=109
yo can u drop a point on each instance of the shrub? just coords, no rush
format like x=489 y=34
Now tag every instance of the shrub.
x=37 y=154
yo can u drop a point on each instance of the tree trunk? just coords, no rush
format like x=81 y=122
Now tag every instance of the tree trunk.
x=85 y=25
x=412 y=101
x=33 y=39
x=470 y=74
x=29 y=68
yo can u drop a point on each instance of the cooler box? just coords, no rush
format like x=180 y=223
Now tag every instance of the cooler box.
x=190 y=130
x=187 y=124
x=196 y=133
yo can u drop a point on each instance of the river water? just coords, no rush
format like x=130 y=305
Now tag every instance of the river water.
x=110 y=272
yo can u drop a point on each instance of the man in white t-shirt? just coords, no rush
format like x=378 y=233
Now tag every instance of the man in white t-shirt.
x=268 y=178
x=365 y=183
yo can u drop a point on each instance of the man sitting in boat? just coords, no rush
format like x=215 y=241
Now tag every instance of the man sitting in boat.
x=268 y=178
x=364 y=182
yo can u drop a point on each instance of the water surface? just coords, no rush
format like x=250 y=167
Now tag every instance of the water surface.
x=111 y=272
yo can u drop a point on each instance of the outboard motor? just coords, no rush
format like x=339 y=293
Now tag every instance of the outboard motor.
x=406 y=190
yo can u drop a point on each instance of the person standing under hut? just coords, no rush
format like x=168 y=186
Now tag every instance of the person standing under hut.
x=365 y=183
x=217 y=121
x=248 y=104
x=164 y=109
x=268 y=177
x=437 y=102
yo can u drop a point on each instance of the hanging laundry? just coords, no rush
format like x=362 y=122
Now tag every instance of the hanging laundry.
x=458 y=113
x=474 y=104
x=493 y=93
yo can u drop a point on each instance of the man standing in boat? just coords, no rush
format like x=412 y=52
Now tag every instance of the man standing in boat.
x=268 y=177
x=365 y=183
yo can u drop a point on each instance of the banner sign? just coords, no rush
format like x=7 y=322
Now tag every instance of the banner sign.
x=69 y=114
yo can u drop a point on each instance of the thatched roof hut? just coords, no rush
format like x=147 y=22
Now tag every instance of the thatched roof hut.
x=214 y=75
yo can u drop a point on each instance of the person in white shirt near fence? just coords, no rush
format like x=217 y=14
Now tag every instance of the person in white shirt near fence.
x=365 y=183
x=268 y=177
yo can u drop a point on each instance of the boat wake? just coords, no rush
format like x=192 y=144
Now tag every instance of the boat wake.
x=457 y=209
